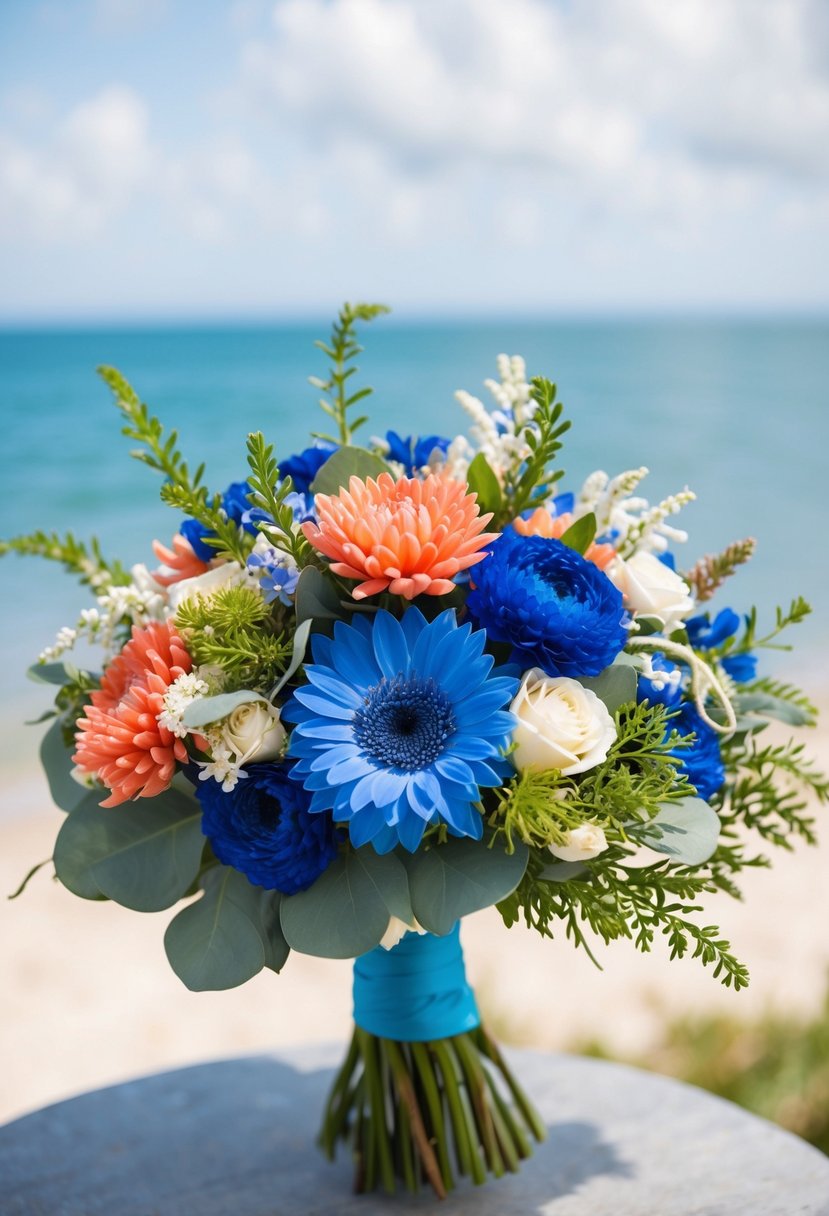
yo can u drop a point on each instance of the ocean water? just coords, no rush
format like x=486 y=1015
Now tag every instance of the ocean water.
x=737 y=410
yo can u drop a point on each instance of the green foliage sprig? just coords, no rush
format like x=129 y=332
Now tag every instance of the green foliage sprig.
x=342 y=348
x=234 y=629
x=636 y=778
x=270 y=494
x=84 y=560
x=530 y=485
x=711 y=571
x=768 y=790
x=157 y=451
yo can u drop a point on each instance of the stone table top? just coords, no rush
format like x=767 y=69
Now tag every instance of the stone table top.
x=236 y=1138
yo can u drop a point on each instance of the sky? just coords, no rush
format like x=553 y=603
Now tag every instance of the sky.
x=182 y=159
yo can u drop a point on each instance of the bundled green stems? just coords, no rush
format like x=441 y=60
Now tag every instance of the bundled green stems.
x=428 y=1112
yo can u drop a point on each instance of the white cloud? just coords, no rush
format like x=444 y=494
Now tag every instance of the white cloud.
x=602 y=91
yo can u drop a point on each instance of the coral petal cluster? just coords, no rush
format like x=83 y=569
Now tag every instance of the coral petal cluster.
x=119 y=738
x=177 y=562
x=543 y=523
x=410 y=537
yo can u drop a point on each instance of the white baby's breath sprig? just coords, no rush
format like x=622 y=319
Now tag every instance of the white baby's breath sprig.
x=181 y=693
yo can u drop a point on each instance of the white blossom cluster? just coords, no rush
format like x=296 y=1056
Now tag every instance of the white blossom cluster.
x=137 y=602
x=181 y=693
x=223 y=765
x=500 y=433
x=635 y=525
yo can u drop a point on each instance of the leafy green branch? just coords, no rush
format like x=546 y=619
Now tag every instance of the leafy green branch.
x=269 y=494
x=342 y=348
x=530 y=485
x=159 y=452
x=797 y=611
x=86 y=561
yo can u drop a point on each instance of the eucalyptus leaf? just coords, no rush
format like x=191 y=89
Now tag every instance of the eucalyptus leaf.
x=56 y=758
x=273 y=939
x=143 y=855
x=581 y=534
x=316 y=597
x=346 y=911
x=301 y=635
x=563 y=871
x=342 y=465
x=482 y=481
x=765 y=705
x=686 y=831
x=616 y=685
x=451 y=880
x=217 y=942
x=648 y=625
x=213 y=709
x=49 y=673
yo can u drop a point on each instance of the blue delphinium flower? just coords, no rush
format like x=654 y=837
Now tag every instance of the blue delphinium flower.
x=702 y=761
x=278 y=576
x=663 y=686
x=304 y=466
x=705 y=634
x=234 y=504
x=400 y=726
x=413 y=454
x=557 y=610
x=263 y=829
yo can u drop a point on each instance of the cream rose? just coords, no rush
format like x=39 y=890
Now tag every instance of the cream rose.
x=583 y=843
x=228 y=574
x=396 y=930
x=561 y=725
x=253 y=731
x=651 y=587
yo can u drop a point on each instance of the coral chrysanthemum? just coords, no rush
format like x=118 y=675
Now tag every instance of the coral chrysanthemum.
x=178 y=562
x=543 y=523
x=119 y=738
x=410 y=537
x=400 y=726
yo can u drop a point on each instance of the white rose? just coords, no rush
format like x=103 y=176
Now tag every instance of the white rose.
x=582 y=843
x=561 y=725
x=651 y=587
x=396 y=930
x=253 y=731
x=227 y=574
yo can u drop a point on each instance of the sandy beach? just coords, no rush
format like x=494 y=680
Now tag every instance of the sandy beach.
x=89 y=999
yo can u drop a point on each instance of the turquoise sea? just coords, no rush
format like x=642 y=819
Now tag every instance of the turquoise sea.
x=737 y=410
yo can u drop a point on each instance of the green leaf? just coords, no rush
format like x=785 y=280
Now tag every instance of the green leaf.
x=345 y=463
x=214 y=709
x=581 y=534
x=687 y=831
x=616 y=685
x=482 y=481
x=301 y=635
x=49 y=673
x=273 y=939
x=563 y=871
x=647 y=626
x=316 y=597
x=347 y=910
x=144 y=855
x=764 y=705
x=56 y=758
x=217 y=942
x=454 y=879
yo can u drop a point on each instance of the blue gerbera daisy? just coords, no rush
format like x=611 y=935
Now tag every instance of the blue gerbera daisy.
x=400 y=726
x=559 y=611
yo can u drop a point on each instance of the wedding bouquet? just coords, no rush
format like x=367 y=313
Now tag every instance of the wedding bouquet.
x=369 y=690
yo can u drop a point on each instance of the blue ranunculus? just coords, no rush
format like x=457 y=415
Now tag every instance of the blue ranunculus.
x=557 y=610
x=401 y=725
x=303 y=468
x=701 y=761
x=664 y=686
x=263 y=829
x=705 y=634
x=413 y=454
x=235 y=504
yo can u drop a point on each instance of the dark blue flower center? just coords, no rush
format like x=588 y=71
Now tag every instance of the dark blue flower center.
x=404 y=723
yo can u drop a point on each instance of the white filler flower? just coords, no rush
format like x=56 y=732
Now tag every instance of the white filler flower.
x=561 y=725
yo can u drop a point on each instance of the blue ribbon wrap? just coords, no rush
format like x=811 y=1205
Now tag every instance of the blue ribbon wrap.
x=416 y=991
